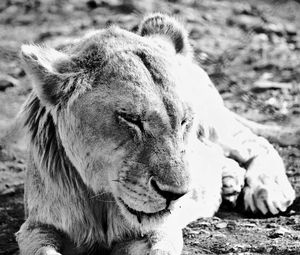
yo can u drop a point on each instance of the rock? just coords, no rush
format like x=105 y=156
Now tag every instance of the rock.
x=204 y=232
x=25 y=19
x=279 y=232
x=6 y=155
x=271 y=225
x=219 y=235
x=92 y=4
x=263 y=85
x=8 y=13
x=243 y=8
x=207 y=17
x=293 y=39
x=203 y=224
x=7 y=81
x=3 y=5
x=231 y=225
x=10 y=182
x=245 y=22
x=277 y=29
x=195 y=33
x=193 y=232
x=249 y=225
x=290 y=29
x=246 y=9
x=221 y=225
x=255 y=23
x=239 y=247
x=127 y=7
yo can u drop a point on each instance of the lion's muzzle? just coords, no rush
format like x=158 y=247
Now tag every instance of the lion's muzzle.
x=166 y=192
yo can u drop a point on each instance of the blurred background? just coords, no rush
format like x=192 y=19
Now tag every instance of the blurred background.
x=250 y=49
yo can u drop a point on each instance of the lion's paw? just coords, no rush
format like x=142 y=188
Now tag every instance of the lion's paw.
x=268 y=195
x=233 y=177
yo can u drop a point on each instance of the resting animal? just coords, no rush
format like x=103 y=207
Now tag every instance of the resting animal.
x=129 y=142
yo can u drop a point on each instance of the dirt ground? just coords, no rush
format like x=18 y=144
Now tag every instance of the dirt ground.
x=251 y=49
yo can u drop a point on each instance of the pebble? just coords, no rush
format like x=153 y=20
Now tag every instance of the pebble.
x=204 y=232
x=10 y=182
x=219 y=235
x=193 y=232
x=239 y=247
x=274 y=28
x=291 y=29
x=262 y=85
x=245 y=22
x=248 y=23
x=249 y=225
x=279 y=232
x=92 y=4
x=271 y=225
x=221 y=225
x=11 y=10
x=231 y=225
x=203 y=224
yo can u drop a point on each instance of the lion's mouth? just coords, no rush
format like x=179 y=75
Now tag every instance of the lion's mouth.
x=144 y=215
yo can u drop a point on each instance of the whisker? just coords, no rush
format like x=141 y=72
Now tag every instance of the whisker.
x=106 y=201
x=99 y=194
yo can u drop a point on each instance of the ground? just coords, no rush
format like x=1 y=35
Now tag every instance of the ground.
x=251 y=49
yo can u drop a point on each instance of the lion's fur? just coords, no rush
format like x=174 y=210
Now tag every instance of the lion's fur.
x=87 y=157
x=62 y=188
x=74 y=212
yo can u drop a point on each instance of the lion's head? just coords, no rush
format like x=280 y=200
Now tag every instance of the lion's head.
x=124 y=111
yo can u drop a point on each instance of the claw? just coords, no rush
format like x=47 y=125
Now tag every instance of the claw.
x=270 y=198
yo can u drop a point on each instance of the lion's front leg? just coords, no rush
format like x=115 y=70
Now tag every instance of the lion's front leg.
x=267 y=189
x=233 y=180
x=38 y=239
x=233 y=175
x=154 y=243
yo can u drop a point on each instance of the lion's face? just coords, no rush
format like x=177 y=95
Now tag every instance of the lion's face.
x=134 y=129
x=128 y=122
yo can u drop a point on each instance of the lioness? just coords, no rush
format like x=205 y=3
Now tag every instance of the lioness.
x=130 y=141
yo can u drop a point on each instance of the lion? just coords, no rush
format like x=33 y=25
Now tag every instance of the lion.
x=130 y=141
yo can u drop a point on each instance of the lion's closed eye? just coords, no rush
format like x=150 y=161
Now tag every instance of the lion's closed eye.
x=133 y=121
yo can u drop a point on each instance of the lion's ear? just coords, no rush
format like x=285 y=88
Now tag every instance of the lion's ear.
x=159 y=24
x=47 y=68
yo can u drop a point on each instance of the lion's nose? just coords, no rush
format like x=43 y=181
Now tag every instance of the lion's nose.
x=165 y=192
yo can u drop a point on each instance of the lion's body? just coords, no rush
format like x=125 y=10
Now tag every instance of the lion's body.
x=129 y=140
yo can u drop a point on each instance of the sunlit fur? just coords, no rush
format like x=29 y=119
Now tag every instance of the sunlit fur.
x=90 y=159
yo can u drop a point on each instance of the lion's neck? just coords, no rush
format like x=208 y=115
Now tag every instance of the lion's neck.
x=89 y=218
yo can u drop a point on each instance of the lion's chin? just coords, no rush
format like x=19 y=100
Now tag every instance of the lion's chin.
x=140 y=217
